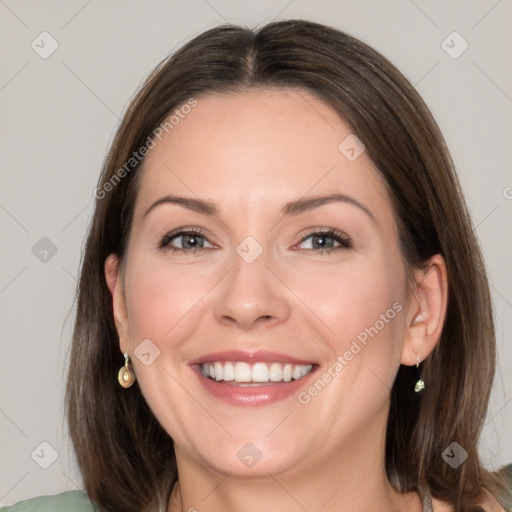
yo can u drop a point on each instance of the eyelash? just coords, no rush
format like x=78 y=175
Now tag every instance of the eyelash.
x=337 y=236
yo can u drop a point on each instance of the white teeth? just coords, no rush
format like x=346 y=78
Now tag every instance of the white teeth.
x=257 y=372
x=228 y=372
x=287 y=372
x=218 y=371
x=276 y=372
x=242 y=372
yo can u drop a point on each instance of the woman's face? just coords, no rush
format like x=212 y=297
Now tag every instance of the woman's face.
x=263 y=251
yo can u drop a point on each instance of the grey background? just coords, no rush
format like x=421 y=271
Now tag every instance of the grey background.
x=59 y=114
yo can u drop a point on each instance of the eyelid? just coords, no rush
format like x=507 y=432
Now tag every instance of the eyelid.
x=323 y=231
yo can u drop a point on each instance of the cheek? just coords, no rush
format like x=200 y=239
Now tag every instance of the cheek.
x=364 y=309
x=360 y=310
x=159 y=297
x=163 y=306
x=355 y=302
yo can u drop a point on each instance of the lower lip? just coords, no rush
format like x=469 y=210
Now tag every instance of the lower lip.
x=251 y=395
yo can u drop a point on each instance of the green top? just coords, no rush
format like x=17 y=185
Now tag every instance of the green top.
x=70 y=501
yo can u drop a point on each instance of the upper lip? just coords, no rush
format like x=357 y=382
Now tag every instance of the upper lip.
x=257 y=356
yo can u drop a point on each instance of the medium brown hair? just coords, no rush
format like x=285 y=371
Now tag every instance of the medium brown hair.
x=126 y=457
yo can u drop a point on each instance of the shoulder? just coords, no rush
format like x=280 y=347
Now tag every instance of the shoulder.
x=491 y=504
x=72 y=501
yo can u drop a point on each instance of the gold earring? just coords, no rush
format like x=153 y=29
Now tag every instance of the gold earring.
x=126 y=375
x=421 y=383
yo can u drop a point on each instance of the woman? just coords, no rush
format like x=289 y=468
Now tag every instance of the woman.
x=282 y=302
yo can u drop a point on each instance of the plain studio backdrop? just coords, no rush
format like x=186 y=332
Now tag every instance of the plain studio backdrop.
x=68 y=71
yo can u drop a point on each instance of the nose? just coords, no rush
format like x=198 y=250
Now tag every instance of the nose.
x=251 y=295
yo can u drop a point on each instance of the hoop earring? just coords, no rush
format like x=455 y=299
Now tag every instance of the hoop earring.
x=420 y=385
x=126 y=375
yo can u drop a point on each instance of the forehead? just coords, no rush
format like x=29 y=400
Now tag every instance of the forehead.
x=262 y=145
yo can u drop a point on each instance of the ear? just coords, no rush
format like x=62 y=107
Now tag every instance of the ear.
x=426 y=311
x=113 y=276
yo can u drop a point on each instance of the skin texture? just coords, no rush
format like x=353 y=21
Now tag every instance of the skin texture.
x=249 y=153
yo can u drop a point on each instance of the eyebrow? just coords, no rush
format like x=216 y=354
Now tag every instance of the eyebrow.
x=291 y=208
x=310 y=203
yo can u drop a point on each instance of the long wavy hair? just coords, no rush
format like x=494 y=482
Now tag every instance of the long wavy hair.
x=126 y=458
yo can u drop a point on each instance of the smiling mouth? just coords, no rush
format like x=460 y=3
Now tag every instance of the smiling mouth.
x=259 y=373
